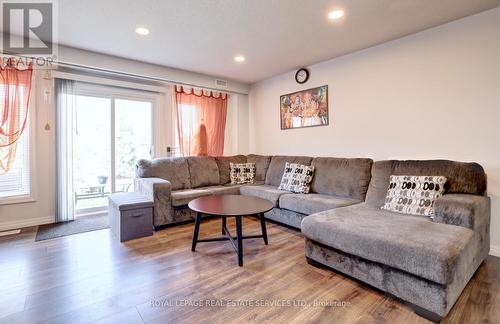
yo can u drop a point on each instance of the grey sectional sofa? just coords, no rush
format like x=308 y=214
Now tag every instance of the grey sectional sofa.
x=337 y=182
x=424 y=261
x=173 y=182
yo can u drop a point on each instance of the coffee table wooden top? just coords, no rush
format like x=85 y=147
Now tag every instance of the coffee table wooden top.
x=230 y=205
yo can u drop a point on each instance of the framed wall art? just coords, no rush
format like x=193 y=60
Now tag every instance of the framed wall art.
x=306 y=108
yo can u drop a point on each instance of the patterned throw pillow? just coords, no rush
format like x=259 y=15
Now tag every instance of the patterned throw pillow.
x=414 y=195
x=241 y=173
x=297 y=178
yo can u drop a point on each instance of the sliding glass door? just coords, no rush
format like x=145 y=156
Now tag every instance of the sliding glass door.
x=91 y=152
x=113 y=129
x=133 y=139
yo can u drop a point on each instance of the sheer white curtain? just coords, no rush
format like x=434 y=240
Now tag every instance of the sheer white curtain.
x=65 y=126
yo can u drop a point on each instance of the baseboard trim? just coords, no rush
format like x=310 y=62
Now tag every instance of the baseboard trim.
x=6 y=226
x=495 y=250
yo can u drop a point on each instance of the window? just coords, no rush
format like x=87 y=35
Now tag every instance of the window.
x=190 y=117
x=201 y=121
x=15 y=182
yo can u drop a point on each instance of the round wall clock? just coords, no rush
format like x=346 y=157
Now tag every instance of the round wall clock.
x=302 y=75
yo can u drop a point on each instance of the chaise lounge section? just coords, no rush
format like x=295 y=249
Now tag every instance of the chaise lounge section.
x=424 y=261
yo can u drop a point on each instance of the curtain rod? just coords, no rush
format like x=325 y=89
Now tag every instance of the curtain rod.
x=143 y=77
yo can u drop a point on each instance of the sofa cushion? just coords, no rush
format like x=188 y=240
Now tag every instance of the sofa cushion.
x=341 y=177
x=285 y=216
x=203 y=171
x=267 y=192
x=183 y=197
x=261 y=166
x=226 y=189
x=313 y=203
x=410 y=243
x=277 y=167
x=224 y=168
x=175 y=170
x=468 y=178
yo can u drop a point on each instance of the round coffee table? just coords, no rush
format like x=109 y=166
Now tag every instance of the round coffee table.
x=230 y=206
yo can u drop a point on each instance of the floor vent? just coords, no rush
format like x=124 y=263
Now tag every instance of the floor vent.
x=11 y=232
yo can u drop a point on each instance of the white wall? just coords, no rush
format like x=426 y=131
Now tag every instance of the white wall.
x=435 y=94
x=236 y=139
x=42 y=210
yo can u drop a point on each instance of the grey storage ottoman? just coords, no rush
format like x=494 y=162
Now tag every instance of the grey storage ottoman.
x=130 y=215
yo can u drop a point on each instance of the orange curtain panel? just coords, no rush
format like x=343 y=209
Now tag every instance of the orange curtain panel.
x=15 y=88
x=201 y=121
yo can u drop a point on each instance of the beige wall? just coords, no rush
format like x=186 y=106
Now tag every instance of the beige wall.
x=236 y=139
x=435 y=94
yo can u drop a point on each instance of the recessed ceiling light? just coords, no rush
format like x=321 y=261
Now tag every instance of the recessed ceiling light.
x=142 y=31
x=239 y=58
x=336 y=14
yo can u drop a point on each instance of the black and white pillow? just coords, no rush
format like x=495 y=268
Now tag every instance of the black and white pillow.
x=297 y=178
x=241 y=173
x=414 y=195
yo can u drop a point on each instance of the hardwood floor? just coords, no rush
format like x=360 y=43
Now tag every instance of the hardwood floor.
x=90 y=277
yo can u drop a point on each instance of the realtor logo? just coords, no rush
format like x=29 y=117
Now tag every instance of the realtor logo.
x=28 y=28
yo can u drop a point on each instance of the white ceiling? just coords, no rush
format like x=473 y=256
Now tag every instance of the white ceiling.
x=275 y=36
